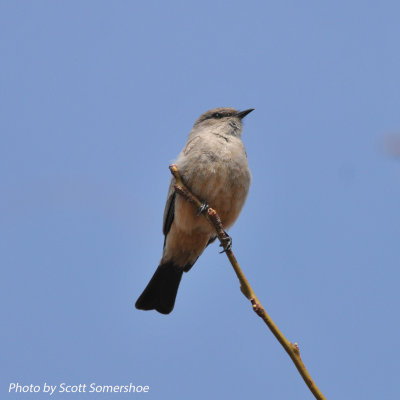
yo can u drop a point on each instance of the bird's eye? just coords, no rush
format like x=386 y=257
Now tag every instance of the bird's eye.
x=217 y=115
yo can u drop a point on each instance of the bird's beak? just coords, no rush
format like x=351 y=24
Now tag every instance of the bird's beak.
x=242 y=114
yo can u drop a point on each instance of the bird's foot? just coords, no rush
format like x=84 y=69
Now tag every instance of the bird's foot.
x=204 y=207
x=227 y=243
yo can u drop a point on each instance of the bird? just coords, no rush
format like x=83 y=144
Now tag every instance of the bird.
x=213 y=165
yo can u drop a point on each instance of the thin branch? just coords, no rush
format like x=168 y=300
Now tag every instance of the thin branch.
x=291 y=348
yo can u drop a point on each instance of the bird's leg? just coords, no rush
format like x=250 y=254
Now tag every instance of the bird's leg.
x=204 y=207
x=227 y=243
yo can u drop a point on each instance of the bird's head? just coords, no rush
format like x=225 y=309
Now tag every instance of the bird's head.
x=224 y=120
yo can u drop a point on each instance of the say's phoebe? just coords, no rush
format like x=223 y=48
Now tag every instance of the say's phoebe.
x=213 y=165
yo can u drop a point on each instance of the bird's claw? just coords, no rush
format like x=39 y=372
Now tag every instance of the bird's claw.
x=227 y=245
x=204 y=207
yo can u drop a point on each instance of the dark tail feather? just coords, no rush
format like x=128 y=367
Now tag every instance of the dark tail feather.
x=160 y=292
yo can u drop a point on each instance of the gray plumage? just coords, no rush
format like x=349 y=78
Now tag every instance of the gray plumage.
x=213 y=165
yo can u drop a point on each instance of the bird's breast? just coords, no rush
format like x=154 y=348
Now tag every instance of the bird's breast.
x=222 y=179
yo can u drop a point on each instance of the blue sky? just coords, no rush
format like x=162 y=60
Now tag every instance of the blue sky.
x=97 y=99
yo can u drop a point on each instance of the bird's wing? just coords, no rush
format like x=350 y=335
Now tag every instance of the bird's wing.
x=169 y=211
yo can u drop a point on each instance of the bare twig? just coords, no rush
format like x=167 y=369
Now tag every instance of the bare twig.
x=291 y=348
